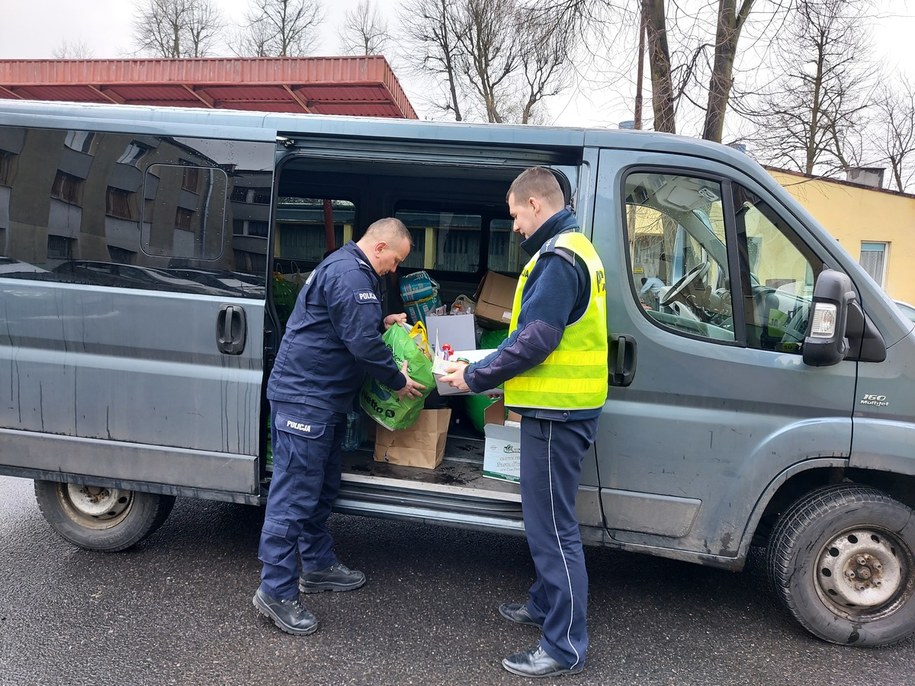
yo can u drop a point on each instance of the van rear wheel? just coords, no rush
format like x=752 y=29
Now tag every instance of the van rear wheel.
x=101 y=518
x=841 y=561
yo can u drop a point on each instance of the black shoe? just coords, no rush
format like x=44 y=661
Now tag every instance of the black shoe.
x=289 y=615
x=536 y=663
x=337 y=577
x=518 y=613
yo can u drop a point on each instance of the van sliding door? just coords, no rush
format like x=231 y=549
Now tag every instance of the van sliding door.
x=132 y=290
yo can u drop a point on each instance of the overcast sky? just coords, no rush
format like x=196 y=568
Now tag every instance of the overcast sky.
x=33 y=29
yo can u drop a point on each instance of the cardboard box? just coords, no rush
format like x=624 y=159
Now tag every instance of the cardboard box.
x=495 y=298
x=502 y=452
x=469 y=355
x=457 y=330
x=422 y=445
x=496 y=414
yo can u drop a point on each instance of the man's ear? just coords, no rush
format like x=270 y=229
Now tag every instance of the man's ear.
x=380 y=246
x=534 y=204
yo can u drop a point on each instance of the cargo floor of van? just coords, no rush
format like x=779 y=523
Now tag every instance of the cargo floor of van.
x=461 y=469
x=456 y=491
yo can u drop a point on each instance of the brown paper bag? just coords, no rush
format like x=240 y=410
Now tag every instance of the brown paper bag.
x=422 y=445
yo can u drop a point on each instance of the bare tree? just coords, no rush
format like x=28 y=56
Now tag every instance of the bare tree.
x=500 y=58
x=433 y=48
x=892 y=131
x=490 y=52
x=77 y=50
x=731 y=19
x=545 y=49
x=364 y=30
x=281 y=28
x=663 y=99
x=693 y=49
x=177 y=28
x=809 y=120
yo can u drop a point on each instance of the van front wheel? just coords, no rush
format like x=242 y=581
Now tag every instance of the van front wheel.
x=841 y=561
x=101 y=518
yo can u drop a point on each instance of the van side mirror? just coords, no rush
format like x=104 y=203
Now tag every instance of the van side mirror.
x=825 y=343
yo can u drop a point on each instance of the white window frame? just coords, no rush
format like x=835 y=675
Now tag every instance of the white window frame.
x=877 y=271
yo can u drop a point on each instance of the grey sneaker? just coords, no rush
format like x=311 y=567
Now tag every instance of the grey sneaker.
x=337 y=577
x=289 y=615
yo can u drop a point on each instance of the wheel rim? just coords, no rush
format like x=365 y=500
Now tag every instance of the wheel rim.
x=96 y=507
x=864 y=573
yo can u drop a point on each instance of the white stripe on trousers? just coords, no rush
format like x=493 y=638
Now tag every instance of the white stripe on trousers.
x=549 y=457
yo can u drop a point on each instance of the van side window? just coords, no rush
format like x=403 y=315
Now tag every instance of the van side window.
x=505 y=254
x=186 y=215
x=778 y=273
x=124 y=210
x=678 y=253
x=301 y=240
x=448 y=241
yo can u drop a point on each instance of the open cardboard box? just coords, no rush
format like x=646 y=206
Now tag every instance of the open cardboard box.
x=502 y=450
x=495 y=298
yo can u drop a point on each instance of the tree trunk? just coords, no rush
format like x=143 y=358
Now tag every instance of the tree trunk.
x=730 y=23
x=662 y=92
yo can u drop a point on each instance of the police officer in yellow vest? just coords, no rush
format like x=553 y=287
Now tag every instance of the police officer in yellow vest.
x=554 y=367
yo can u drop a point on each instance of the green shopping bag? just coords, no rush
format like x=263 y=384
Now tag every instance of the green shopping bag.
x=380 y=402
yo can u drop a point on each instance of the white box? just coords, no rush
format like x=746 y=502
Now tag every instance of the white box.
x=456 y=330
x=438 y=369
x=502 y=452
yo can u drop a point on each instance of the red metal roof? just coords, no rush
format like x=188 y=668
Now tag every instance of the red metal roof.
x=327 y=85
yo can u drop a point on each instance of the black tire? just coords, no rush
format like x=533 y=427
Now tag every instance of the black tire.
x=841 y=561
x=101 y=518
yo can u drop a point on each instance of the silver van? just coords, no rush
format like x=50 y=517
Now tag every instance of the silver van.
x=761 y=383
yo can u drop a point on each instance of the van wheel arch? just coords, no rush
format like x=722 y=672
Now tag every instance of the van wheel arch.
x=842 y=562
x=101 y=518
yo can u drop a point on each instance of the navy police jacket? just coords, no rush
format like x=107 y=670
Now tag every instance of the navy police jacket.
x=333 y=337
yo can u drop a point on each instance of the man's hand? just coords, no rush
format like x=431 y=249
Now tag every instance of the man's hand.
x=455 y=375
x=393 y=319
x=413 y=389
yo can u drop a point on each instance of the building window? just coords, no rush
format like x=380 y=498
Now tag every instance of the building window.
x=873 y=259
x=6 y=168
x=183 y=219
x=240 y=194
x=191 y=178
x=133 y=153
x=118 y=203
x=67 y=187
x=80 y=141
x=122 y=256
x=257 y=228
x=60 y=248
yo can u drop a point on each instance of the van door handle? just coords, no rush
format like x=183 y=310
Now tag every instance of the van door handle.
x=231 y=329
x=622 y=359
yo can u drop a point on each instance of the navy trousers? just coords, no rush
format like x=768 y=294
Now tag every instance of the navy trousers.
x=551 y=457
x=305 y=483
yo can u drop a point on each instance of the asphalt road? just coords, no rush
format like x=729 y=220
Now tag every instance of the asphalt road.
x=177 y=610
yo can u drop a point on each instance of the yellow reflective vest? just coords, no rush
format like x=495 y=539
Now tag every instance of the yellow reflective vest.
x=574 y=375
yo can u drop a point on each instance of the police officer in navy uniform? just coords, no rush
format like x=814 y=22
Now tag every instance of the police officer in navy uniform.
x=554 y=367
x=332 y=340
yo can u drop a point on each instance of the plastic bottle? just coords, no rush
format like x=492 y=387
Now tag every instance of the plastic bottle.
x=352 y=439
